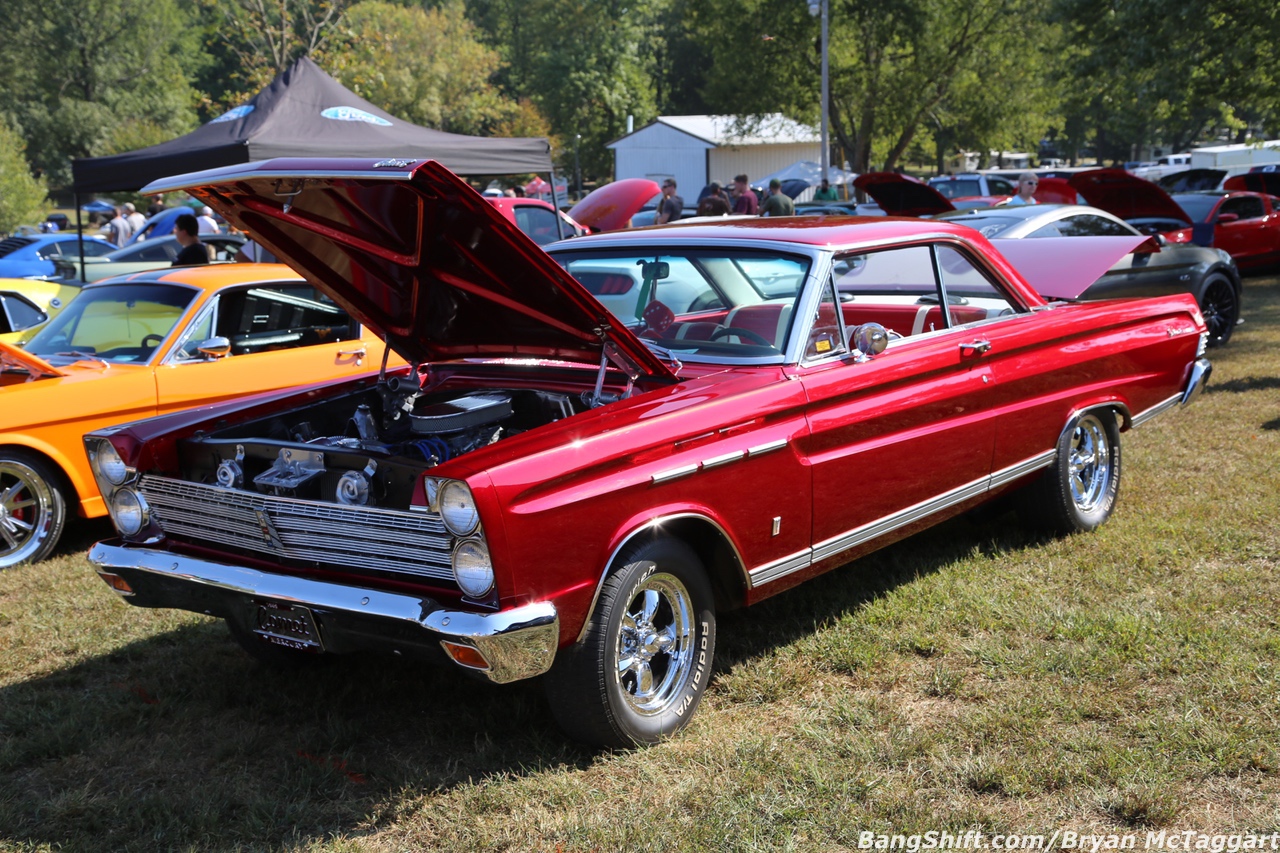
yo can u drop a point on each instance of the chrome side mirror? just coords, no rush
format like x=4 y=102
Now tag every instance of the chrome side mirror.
x=870 y=339
x=214 y=348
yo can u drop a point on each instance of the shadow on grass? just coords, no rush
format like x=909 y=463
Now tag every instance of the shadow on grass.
x=181 y=741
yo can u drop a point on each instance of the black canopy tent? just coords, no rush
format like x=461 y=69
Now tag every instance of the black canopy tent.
x=306 y=113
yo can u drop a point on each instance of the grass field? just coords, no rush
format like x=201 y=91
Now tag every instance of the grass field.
x=971 y=678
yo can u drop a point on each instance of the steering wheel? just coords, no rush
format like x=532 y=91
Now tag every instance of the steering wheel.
x=755 y=338
x=706 y=302
x=156 y=340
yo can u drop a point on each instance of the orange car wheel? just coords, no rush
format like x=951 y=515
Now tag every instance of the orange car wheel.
x=33 y=511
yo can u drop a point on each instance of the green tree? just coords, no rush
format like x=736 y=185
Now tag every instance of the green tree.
x=99 y=75
x=425 y=66
x=896 y=70
x=23 y=197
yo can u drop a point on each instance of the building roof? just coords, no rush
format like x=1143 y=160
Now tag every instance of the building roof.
x=769 y=129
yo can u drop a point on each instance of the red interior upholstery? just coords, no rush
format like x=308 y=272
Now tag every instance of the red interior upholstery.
x=769 y=320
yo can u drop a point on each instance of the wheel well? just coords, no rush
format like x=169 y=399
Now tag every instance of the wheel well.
x=69 y=493
x=709 y=542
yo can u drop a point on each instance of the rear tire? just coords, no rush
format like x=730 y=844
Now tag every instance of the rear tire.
x=1220 y=306
x=640 y=672
x=1078 y=492
x=33 y=511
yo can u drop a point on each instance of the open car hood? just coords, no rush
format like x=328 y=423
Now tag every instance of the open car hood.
x=899 y=195
x=1065 y=267
x=1123 y=195
x=13 y=358
x=419 y=257
x=610 y=207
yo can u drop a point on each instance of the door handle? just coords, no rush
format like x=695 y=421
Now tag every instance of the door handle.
x=359 y=352
x=975 y=347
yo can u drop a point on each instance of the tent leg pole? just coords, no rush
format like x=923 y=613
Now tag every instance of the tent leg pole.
x=79 y=234
x=555 y=202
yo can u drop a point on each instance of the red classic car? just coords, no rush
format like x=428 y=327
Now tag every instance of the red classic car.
x=563 y=488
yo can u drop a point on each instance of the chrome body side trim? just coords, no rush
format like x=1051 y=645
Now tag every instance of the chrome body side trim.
x=858 y=536
x=1158 y=409
x=518 y=643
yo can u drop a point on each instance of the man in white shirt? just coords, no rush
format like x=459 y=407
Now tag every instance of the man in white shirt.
x=206 y=222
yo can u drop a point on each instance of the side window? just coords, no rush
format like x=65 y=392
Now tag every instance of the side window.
x=280 y=316
x=999 y=186
x=971 y=296
x=1246 y=207
x=1089 y=225
x=161 y=252
x=197 y=333
x=539 y=223
x=17 y=313
x=826 y=338
x=896 y=288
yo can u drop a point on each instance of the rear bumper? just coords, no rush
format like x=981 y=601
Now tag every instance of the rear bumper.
x=516 y=643
x=1200 y=372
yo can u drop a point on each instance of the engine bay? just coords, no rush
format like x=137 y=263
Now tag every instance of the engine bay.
x=367 y=448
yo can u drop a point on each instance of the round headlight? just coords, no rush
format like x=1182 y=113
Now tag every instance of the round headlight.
x=110 y=463
x=128 y=512
x=471 y=567
x=458 y=508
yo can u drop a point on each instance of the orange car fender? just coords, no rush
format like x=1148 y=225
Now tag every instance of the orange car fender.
x=73 y=470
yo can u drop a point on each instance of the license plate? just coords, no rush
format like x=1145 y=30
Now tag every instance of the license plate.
x=288 y=625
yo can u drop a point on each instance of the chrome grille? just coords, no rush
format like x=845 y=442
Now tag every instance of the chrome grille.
x=291 y=529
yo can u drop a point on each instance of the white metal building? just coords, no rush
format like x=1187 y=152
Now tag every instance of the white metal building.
x=696 y=150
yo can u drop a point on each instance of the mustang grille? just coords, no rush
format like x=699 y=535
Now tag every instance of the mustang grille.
x=291 y=529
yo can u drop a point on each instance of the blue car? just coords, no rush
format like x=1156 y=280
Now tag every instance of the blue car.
x=34 y=255
x=160 y=225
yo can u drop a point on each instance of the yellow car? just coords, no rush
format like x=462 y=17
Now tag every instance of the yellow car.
x=26 y=303
x=152 y=343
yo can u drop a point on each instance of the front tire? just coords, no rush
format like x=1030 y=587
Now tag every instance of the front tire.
x=1079 y=492
x=33 y=511
x=1221 y=309
x=640 y=672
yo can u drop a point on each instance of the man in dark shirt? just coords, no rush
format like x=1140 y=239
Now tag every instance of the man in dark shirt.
x=186 y=230
x=744 y=198
x=672 y=206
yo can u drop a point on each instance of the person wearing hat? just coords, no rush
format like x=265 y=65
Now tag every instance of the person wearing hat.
x=671 y=206
x=777 y=203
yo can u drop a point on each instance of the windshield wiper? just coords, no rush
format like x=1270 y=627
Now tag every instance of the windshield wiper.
x=85 y=356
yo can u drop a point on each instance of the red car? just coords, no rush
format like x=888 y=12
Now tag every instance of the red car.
x=537 y=219
x=1243 y=223
x=552 y=488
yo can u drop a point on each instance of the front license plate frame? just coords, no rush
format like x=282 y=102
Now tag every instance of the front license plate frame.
x=289 y=625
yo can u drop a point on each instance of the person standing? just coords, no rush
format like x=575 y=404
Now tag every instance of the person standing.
x=187 y=232
x=672 y=206
x=205 y=221
x=157 y=205
x=118 y=229
x=136 y=220
x=744 y=198
x=825 y=192
x=777 y=203
x=1027 y=183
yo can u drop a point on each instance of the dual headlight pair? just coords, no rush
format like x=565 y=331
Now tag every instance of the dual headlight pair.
x=128 y=509
x=472 y=567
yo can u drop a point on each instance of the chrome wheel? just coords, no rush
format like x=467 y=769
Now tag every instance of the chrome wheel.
x=1089 y=463
x=655 y=654
x=30 y=513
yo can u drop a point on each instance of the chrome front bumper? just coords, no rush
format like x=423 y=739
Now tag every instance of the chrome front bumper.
x=517 y=643
x=1200 y=371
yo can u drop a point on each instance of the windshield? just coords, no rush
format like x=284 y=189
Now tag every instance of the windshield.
x=987 y=226
x=700 y=304
x=1198 y=207
x=117 y=323
x=955 y=188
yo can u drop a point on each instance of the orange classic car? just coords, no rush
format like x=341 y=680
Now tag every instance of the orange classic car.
x=152 y=343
